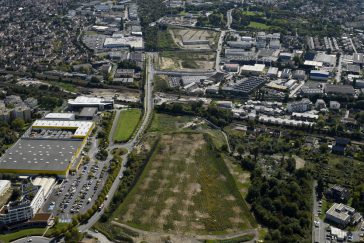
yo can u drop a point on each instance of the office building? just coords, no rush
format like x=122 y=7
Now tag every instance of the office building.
x=342 y=215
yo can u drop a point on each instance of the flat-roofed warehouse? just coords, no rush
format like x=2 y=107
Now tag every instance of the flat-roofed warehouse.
x=48 y=147
x=33 y=156
x=85 y=101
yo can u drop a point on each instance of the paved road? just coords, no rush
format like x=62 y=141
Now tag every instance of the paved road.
x=60 y=209
x=352 y=44
x=148 y=106
x=36 y=239
x=99 y=236
x=218 y=51
x=185 y=73
x=197 y=238
x=339 y=69
x=229 y=19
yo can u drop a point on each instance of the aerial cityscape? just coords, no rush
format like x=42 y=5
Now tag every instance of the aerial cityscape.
x=177 y=121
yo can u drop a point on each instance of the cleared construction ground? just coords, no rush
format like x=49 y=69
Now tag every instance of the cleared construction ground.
x=195 y=39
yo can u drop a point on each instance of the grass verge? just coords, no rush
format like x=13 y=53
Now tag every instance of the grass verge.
x=127 y=123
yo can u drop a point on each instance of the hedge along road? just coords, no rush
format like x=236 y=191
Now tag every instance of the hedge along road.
x=148 y=108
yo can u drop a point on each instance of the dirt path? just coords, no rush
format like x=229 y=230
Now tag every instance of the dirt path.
x=158 y=236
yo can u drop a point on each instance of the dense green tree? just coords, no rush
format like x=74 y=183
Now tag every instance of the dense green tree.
x=18 y=124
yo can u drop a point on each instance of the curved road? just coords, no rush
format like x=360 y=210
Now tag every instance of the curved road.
x=37 y=239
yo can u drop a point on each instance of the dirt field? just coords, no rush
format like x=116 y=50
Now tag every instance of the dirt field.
x=181 y=35
x=185 y=60
x=187 y=189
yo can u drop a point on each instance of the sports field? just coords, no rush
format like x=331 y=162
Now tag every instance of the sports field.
x=186 y=188
x=128 y=121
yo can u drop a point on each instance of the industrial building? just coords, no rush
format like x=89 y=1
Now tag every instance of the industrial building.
x=85 y=101
x=87 y=113
x=244 y=87
x=299 y=75
x=319 y=75
x=195 y=42
x=48 y=147
x=60 y=116
x=231 y=67
x=272 y=72
x=255 y=69
x=332 y=89
x=135 y=42
x=286 y=73
x=240 y=44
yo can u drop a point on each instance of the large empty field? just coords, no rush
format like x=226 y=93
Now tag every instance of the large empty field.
x=186 y=188
x=183 y=60
x=182 y=36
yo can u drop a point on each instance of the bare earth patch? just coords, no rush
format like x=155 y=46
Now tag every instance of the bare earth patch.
x=230 y=198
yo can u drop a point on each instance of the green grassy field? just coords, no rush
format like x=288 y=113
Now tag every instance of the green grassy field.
x=160 y=83
x=165 y=40
x=127 y=123
x=186 y=186
x=251 y=13
x=260 y=26
x=65 y=86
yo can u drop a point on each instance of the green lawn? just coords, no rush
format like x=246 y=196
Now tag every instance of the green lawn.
x=160 y=83
x=251 y=13
x=259 y=26
x=65 y=86
x=165 y=40
x=21 y=234
x=127 y=123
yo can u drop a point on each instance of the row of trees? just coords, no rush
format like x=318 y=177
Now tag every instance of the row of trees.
x=49 y=97
x=134 y=167
x=103 y=134
x=218 y=116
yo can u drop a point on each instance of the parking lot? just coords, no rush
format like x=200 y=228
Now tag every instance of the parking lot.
x=79 y=191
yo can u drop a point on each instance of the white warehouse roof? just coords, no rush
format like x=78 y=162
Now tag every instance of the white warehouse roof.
x=130 y=41
x=253 y=68
x=82 y=100
x=60 y=116
x=83 y=128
